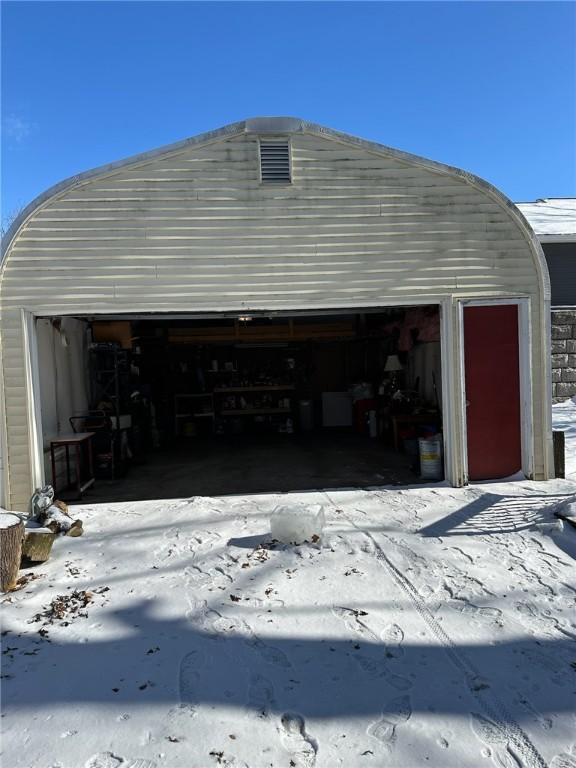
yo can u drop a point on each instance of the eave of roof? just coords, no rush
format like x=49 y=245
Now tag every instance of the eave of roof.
x=553 y=219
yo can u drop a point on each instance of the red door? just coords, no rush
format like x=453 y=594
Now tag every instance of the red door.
x=492 y=391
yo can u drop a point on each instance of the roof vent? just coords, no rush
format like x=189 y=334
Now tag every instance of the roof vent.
x=275 y=161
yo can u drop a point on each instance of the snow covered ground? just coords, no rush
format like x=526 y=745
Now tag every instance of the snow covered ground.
x=564 y=418
x=432 y=626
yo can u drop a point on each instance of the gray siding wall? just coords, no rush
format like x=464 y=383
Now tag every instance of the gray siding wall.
x=194 y=229
x=561 y=260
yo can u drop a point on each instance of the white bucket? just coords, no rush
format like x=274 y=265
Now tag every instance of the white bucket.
x=431 y=458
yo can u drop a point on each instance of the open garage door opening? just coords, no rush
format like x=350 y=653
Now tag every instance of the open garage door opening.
x=179 y=406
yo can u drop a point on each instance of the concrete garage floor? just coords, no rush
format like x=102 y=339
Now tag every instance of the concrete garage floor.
x=222 y=466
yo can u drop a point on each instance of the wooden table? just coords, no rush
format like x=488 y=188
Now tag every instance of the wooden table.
x=403 y=419
x=77 y=440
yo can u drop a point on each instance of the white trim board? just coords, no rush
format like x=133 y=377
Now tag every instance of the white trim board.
x=524 y=373
x=33 y=402
x=449 y=425
x=556 y=238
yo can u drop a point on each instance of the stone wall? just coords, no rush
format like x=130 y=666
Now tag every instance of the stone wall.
x=563 y=354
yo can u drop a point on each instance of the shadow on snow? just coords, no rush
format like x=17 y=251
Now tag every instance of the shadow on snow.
x=180 y=662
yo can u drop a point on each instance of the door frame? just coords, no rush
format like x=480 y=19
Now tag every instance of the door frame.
x=524 y=375
x=33 y=403
x=452 y=462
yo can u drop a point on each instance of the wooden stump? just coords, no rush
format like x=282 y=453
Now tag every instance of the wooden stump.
x=37 y=544
x=11 y=535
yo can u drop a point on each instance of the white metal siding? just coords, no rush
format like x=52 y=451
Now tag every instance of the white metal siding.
x=195 y=229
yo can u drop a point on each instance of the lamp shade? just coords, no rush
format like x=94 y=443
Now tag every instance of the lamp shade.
x=393 y=364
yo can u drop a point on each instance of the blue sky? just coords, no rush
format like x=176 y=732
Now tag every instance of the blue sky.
x=489 y=87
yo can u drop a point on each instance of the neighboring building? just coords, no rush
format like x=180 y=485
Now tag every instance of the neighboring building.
x=271 y=234
x=554 y=222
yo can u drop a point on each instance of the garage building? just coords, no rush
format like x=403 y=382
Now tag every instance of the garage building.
x=273 y=305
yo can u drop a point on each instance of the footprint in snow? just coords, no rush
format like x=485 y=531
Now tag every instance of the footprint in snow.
x=108 y=760
x=353 y=619
x=379 y=668
x=169 y=544
x=550 y=663
x=230 y=762
x=339 y=543
x=295 y=740
x=260 y=694
x=538 y=621
x=461 y=552
x=256 y=602
x=189 y=680
x=269 y=653
x=202 y=540
x=197 y=607
x=393 y=637
x=495 y=737
x=139 y=763
x=196 y=577
x=565 y=759
x=475 y=611
x=368 y=546
x=219 y=626
x=397 y=712
x=220 y=575
x=229 y=559
x=103 y=760
x=543 y=722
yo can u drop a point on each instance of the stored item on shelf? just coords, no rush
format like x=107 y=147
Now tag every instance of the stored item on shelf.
x=116 y=331
x=306 y=415
x=372 y=424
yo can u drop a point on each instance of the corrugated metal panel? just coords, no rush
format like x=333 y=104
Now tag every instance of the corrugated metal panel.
x=195 y=229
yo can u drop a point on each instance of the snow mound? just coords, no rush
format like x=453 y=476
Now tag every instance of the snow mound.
x=296 y=523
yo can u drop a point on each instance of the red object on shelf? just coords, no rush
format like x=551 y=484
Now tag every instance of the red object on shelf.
x=361 y=409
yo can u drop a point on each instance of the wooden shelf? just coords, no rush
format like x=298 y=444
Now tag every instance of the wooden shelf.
x=195 y=394
x=221 y=370
x=193 y=415
x=255 y=411
x=191 y=401
x=263 y=388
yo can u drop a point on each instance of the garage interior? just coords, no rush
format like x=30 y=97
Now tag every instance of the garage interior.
x=181 y=406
